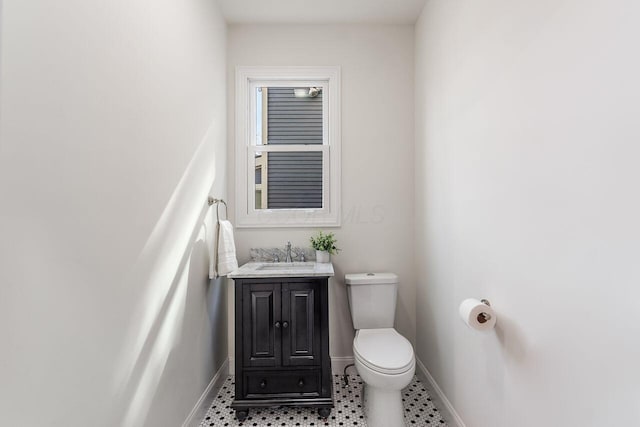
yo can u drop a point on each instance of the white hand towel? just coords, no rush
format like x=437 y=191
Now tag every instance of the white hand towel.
x=211 y=237
x=227 y=261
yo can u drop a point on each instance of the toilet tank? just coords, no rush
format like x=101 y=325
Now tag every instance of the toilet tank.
x=372 y=299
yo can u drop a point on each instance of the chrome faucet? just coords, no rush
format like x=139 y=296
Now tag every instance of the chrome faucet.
x=289 y=252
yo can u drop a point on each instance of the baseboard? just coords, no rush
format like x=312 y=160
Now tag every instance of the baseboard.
x=338 y=363
x=445 y=407
x=200 y=409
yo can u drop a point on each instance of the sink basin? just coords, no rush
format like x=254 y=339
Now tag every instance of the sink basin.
x=286 y=266
x=266 y=270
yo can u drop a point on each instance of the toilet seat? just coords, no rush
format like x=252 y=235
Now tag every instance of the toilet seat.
x=383 y=350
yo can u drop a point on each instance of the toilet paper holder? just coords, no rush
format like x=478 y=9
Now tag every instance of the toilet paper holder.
x=484 y=317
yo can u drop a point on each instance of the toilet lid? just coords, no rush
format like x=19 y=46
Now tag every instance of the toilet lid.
x=383 y=350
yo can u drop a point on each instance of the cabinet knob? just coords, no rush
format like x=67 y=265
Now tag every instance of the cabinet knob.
x=277 y=325
x=263 y=383
x=301 y=383
x=285 y=324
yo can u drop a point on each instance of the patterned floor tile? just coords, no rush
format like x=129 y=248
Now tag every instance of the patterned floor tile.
x=419 y=409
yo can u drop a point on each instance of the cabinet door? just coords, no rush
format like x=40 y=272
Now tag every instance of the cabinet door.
x=261 y=324
x=301 y=324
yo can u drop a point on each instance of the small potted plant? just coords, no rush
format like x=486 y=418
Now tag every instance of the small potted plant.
x=325 y=246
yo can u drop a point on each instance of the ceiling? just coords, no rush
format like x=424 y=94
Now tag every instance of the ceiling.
x=321 y=12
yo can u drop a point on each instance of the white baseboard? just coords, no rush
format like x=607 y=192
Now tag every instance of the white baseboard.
x=445 y=407
x=202 y=406
x=338 y=364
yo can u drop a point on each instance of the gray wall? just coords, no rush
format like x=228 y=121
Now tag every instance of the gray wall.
x=294 y=179
x=293 y=120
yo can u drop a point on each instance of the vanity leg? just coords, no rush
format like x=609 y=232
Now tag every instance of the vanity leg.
x=242 y=414
x=324 y=412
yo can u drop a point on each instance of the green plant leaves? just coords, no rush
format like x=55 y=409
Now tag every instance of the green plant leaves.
x=325 y=242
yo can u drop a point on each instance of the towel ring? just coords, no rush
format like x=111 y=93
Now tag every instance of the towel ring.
x=217 y=202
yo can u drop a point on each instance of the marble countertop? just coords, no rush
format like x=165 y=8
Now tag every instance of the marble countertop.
x=259 y=270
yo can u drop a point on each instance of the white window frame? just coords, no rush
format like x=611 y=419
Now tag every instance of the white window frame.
x=247 y=79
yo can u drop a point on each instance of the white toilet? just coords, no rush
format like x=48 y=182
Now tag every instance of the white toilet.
x=383 y=357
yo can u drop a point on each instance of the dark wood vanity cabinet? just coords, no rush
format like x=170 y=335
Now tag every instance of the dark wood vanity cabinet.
x=282 y=344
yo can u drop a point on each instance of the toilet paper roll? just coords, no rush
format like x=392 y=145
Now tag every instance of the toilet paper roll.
x=477 y=315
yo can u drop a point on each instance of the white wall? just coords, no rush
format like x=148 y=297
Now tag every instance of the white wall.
x=527 y=194
x=377 y=166
x=113 y=131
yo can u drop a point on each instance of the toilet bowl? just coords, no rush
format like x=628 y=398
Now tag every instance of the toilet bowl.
x=386 y=363
x=383 y=357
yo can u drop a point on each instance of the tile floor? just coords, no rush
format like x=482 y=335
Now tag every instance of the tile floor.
x=419 y=410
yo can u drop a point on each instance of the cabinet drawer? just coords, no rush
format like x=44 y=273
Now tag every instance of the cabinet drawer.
x=293 y=383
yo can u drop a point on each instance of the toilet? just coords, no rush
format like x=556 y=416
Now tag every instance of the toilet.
x=383 y=357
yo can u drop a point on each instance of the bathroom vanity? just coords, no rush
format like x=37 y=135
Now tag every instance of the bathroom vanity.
x=282 y=336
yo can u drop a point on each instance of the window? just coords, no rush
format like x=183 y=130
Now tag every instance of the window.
x=287 y=146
